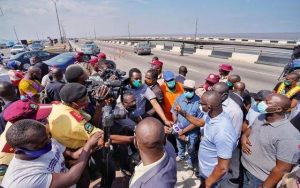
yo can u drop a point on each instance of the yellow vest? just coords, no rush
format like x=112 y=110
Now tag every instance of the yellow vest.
x=290 y=93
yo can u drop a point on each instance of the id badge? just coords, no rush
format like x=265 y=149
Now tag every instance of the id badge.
x=176 y=128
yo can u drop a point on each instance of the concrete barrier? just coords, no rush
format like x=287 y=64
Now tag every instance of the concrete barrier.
x=266 y=41
x=175 y=49
x=203 y=52
x=249 y=58
x=159 y=47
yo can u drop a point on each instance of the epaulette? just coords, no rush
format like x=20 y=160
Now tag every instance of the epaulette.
x=77 y=116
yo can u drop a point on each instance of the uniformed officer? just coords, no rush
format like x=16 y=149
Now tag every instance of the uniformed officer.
x=68 y=123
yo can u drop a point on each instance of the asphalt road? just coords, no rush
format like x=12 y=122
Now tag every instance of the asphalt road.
x=255 y=76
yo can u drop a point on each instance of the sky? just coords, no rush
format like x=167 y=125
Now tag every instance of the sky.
x=34 y=19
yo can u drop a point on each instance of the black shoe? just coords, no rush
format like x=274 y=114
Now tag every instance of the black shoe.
x=234 y=181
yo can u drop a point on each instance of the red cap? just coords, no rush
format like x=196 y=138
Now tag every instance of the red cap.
x=93 y=61
x=157 y=63
x=213 y=78
x=226 y=67
x=25 y=108
x=101 y=55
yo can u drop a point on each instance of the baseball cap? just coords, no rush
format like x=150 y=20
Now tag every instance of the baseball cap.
x=261 y=95
x=26 y=109
x=168 y=75
x=213 y=78
x=157 y=63
x=101 y=55
x=226 y=67
x=93 y=61
x=189 y=84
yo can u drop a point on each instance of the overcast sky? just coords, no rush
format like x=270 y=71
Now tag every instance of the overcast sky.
x=33 y=18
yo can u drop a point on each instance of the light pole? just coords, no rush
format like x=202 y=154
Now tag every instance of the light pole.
x=196 y=33
x=128 y=30
x=61 y=39
x=16 y=34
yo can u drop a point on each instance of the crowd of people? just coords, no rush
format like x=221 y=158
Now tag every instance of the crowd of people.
x=54 y=128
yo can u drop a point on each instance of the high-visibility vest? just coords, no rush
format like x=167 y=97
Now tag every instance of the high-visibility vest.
x=290 y=93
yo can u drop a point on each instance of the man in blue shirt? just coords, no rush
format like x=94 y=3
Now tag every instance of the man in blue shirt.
x=218 y=143
x=189 y=103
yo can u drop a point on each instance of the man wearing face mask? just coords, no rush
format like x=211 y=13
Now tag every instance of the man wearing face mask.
x=209 y=82
x=151 y=81
x=143 y=93
x=290 y=88
x=29 y=86
x=20 y=109
x=39 y=161
x=218 y=143
x=232 y=79
x=270 y=146
x=189 y=103
x=171 y=90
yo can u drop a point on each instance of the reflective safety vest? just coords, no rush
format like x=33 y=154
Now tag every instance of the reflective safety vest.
x=290 y=93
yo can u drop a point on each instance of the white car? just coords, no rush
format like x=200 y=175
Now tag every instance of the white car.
x=18 y=48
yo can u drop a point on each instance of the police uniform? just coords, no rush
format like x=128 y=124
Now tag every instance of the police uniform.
x=69 y=127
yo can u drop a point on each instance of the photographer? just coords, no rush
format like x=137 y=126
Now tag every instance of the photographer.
x=143 y=93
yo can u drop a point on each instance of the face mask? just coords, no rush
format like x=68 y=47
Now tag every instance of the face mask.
x=131 y=108
x=171 y=84
x=229 y=84
x=262 y=107
x=136 y=83
x=253 y=102
x=188 y=94
x=35 y=153
x=287 y=83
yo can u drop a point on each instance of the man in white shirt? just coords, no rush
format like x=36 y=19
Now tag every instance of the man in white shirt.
x=39 y=160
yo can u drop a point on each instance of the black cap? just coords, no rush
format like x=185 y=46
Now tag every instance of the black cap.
x=71 y=92
x=73 y=72
x=261 y=95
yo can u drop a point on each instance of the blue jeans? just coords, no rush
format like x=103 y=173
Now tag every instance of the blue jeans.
x=190 y=145
x=250 y=181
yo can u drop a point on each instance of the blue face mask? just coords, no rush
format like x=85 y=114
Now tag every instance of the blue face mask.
x=262 y=107
x=136 y=83
x=189 y=94
x=253 y=103
x=171 y=84
x=35 y=153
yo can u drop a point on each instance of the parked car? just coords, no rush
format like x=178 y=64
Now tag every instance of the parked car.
x=142 y=49
x=62 y=61
x=23 y=59
x=3 y=45
x=91 y=49
x=9 y=44
x=36 y=46
x=18 y=48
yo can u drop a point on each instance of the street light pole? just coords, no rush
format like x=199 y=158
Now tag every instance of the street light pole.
x=196 y=33
x=16 y=34
x=128 y=30
x=61 y=39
